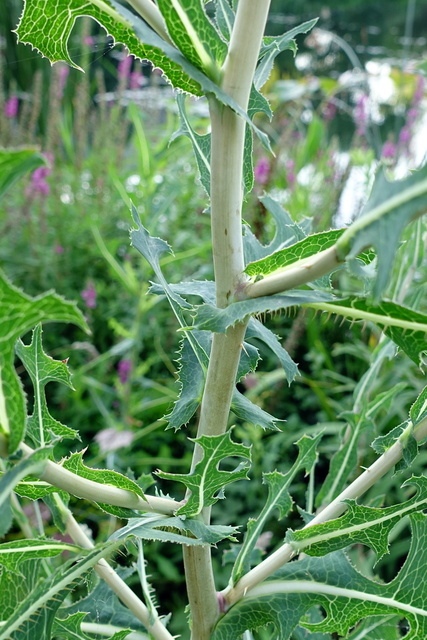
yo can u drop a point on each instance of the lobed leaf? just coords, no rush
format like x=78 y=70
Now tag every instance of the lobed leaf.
x=194 y=35
x=278 y=499
x=218 y=320
x=247 y=411
x=35 y=614
x=21 y=313
x=105 y=476
x=360 y=524
x=406 y=327
x=41 y=426
x=418 y=410
x=175 y=529
x=206 y=481
x=346 y=596
x=390 y=207
x=47 y=28
x=13 y=553
x=224 y=16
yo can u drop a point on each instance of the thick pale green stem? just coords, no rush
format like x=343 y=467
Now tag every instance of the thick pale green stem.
x=61 y=478
x=357 y=488
x=228 y=135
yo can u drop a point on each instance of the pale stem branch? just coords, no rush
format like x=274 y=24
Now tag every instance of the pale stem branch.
x=109 y=630
x=116 y=584
x=285 y=553
x=63 y=479
x=151 y=14
x=227 y=151
x=296 y=275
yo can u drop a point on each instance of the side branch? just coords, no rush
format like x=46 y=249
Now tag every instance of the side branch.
x=63 y=479
x=357 y=488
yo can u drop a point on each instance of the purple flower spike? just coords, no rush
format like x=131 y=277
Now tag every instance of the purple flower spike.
x=11 y=107
x=361 y=114
x=89 y=296
x=262 y=171
x=124 y=67
x=124 y=368
x=389 y=150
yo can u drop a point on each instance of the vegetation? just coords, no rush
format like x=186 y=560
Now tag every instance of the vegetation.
x=249 y=568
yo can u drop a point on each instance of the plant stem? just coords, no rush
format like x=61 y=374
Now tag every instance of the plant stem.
x=120 y=588
x=285 y=553
x=227 y=149
x=151 y=14
x=61 y=478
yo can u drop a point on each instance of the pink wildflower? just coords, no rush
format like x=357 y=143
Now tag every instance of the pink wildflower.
x=389 y=150
x=89 y=296
x=11 y=107
x=124 y=67
x=124 y=368
x=262 y=171
x=59 y=249
x=111 y=440
x=361 y=114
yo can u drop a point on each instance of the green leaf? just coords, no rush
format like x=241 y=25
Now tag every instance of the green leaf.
x=391 y=206
x=406 y=327
x=273 y=45
x=194 y=35
x=70 y=628
x=280 y=260
x=35 y=463
x=19 y=314
x=103 y=606
x=344 y=461
x=15 y=163
x=418 y=411
x=35 y=614
x=201 y=144
x=174 y=529
x=287 y=232
x=47 y=28
x=246 y=410
x=208 y=86
x=210 y=318
x=258 y=331
x=224 y=16
x=41 y=426
x=404 y=433
x=346 y=596
x=360 y=524
x=206 y=481
x=104 y=476
x=13 y=553
x=378 y=628
x=278 y=498
x=192 y=380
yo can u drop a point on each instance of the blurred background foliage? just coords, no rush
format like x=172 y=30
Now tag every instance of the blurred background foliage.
x=354 y=96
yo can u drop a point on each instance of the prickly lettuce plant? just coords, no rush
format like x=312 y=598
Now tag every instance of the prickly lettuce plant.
x=223 y=55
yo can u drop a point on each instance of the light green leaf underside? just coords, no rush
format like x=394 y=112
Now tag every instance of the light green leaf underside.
x=20 y=313
x=218 y=320
x=305 y=248
x=192 y=380
x=35 y=463
x=360 y=524
x=47 y=27
x=15 y=163
x=206 y=481
x=104 y=476
x=194 y=35
x=391 y=206
x=273 y=45
x=70 y=628
x=278 y=498
x=41 y=426
x=346 y=596
x=224 y=16
x=175 y=529
x=13 y=553
x=406 y=327
x=418 y=410
x=38 y=608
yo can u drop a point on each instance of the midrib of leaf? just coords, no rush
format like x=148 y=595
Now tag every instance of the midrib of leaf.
x=344 y=465
x=69 y=577
x=305 y=586
x=378 y=212
x=358 y=314
x=205 y=58
x=42 y=547
x=203 y=477
x=111 y=12
x=359 y=527
x=38 y=396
